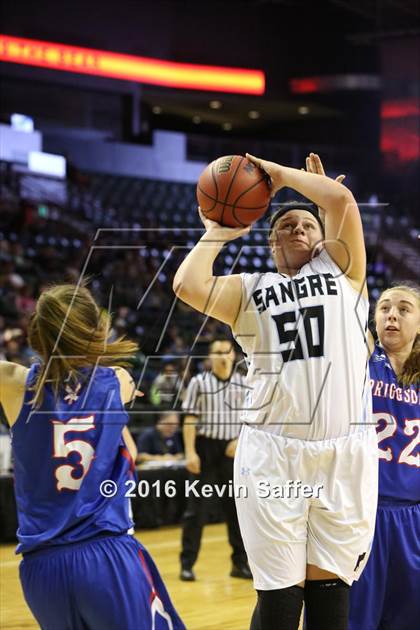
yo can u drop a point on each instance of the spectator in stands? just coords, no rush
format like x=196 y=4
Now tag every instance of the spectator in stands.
x=165 y=387
x=25 y=302
x=162 y=442
x=15 y=348
x=178 y=346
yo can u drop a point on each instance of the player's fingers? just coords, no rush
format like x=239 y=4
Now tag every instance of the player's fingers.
x=308 y=164
x=208 y=223
x=340 y=179
x=266 y=166
x=200 y=212
x=138 y=393
x=263 y=165
x=314 y=167
x=317 y=164
x=257 y=161
x=202 y=215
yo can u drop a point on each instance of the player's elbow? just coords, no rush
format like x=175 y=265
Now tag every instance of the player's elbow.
x=179 y=287
x=190 y=291
x=178 y=283
x=185 y=292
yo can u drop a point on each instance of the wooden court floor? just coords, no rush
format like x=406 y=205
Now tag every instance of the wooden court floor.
x=214 y=602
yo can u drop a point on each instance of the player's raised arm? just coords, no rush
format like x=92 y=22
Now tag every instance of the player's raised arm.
x=343 y=226
x=194 y=282
x=314 y=165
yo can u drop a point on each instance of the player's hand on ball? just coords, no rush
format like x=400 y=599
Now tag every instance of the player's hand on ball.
x=217 y=232
x=314 y=165
x=193 y=464
x=273 y=170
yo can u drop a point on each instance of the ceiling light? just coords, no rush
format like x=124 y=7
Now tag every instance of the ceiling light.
x=253 y=114
x=196 y=120
x=215 y=104
x=303 y=110
x=156 y=109
x=227 y=126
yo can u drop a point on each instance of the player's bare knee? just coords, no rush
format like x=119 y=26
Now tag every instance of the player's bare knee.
x=316 y=573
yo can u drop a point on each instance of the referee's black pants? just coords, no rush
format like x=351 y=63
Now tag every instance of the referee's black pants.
x=217 y=468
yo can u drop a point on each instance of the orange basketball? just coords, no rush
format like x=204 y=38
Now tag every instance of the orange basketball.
x=233 y=191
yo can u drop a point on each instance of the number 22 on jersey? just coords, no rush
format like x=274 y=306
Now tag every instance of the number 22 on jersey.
x=62 y=448
x=390 y=426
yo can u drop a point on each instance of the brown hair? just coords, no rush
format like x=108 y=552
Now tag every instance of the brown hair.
x=410 y=373
x=70 y=331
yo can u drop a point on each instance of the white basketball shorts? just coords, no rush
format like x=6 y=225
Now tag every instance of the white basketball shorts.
x=305 y=502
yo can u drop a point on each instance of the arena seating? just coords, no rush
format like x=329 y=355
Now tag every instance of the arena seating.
x=140 y=230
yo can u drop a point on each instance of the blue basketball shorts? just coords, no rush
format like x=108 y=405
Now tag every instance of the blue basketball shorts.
x=106 y=583
x=386 y=596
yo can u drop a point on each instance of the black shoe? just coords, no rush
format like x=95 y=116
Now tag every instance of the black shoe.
x=241 y=571
x=187 y=575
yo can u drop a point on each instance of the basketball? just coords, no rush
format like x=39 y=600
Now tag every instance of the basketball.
x=233 y=191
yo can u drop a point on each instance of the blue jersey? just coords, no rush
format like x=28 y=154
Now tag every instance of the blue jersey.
x=63 y=451
x=396 y=411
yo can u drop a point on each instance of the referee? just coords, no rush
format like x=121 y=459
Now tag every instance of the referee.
x=211 y=427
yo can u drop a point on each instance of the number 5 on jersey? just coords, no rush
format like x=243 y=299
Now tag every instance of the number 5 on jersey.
x=63 y=448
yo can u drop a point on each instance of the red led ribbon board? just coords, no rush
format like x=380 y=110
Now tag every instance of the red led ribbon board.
x=400 y=131
x=130 y=68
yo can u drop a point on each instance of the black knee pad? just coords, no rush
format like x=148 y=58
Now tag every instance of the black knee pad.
x=278 y=610
x=327 y=604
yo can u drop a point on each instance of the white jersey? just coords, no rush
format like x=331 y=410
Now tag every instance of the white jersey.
x=304 y=339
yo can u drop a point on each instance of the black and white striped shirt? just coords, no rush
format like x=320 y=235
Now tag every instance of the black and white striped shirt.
x=217 y=403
